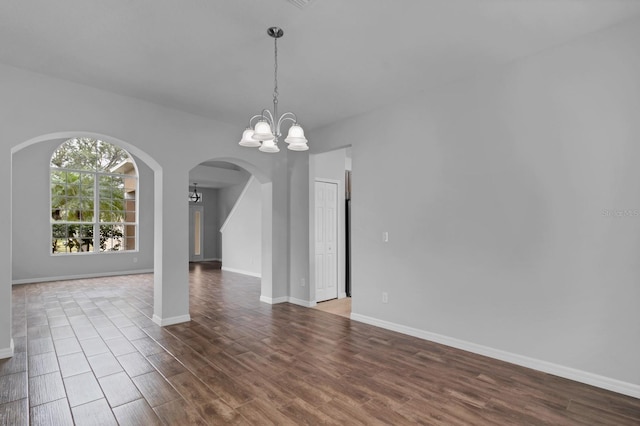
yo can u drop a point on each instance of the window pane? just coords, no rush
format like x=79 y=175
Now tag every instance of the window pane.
x=58 y=187
x=87 y=215
x=71 y=215
x=63 y=215
x=106 y=216
x=58 y=177
x=129 y=237
x=130 y=210
x=111 y=237
x=85 y=231
x=87 y=179
x=113 y=159
x=73 y=183
x=112 y=194
x=86 y=203
x=72 y=230
x=70 y=243
x=61 y=246
x=130 y=242
x=87 y=184
x=57 y=201
x=105 y=184
x=86 y=244
x=59 y=231
x=118 y=182
x=72 y=209
x=86 y=237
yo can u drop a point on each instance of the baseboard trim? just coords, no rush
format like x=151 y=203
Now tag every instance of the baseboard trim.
x=81 y=276
x=240 y=271
x=300 y=302
x=7 y=352
x=596 y=380
x=342 y=295
x=285 y=299
x=274 y=301
x=213 y=259
x=162 y=322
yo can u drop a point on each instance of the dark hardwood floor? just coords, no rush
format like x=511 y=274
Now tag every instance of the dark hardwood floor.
x=87 y=352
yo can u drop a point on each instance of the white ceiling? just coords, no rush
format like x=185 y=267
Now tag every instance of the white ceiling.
x=338 y=57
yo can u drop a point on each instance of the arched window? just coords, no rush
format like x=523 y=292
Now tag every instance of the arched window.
x=93 y=198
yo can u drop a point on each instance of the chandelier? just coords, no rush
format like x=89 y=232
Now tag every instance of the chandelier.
x=266 y=131
x=194 y=196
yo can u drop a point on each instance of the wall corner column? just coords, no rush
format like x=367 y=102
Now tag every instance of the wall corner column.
x=6 y=341
x=171 y=249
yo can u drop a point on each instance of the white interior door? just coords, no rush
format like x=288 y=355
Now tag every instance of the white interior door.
x=326 y=231
x=196 y=233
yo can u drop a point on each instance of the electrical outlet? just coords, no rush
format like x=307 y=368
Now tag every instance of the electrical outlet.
x=302 y=282
x=385 y=297
x=385 y=237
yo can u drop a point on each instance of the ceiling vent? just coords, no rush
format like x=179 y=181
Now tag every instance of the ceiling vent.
x=301 y=3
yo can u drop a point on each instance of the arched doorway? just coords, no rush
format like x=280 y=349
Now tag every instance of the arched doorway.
x=241 y=209
x=122 y=264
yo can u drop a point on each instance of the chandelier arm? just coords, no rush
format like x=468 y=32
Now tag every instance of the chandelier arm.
x=287 y=116
x=253 y=118
x=266 y=114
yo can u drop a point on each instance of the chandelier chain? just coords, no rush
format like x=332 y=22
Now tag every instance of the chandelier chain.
x=275 y=73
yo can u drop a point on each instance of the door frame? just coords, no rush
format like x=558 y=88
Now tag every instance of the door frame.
x=339 y=233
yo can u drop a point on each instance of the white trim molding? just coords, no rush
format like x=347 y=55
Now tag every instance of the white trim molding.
x=274 y=301
x=287 y=299
x=81 y=276
x=240 y=271
x=7 y=352
x=162 y=322
x=300 y=302
x=603 y=382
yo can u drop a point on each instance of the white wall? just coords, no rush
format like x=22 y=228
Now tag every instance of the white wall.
x=242 y=233
x=32 y=259
x=493 y=192
x=299 y=222
x=6 y=341
x=227 y=198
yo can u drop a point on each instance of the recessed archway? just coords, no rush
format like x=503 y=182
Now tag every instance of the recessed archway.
x=155 y=244
x=198 y=174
